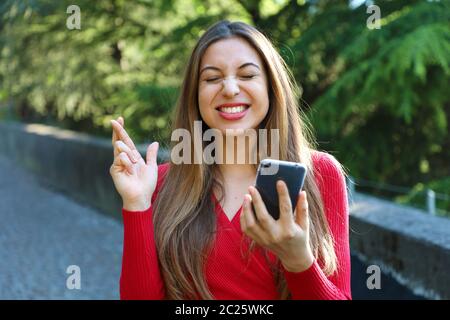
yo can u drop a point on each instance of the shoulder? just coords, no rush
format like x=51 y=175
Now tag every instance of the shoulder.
x=326 y=164
x=330 y=178
x=328 y=171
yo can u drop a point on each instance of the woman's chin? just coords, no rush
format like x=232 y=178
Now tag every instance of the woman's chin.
x=235 y=130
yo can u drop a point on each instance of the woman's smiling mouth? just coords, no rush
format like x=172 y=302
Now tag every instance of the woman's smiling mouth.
x=233 y=111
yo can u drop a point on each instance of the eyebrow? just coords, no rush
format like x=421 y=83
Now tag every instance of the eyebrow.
x=242 y=66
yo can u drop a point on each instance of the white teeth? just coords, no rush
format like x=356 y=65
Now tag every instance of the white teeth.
x=233 y=109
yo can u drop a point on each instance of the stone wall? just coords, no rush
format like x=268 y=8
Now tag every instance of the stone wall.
x=409 y=244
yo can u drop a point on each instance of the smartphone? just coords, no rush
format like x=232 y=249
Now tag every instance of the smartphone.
x=269 y=172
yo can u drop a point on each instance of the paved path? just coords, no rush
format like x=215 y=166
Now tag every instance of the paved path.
x=43 y=232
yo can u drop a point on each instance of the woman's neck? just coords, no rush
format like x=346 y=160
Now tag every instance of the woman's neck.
x=234 y=177
x=236 y=162
x=237 y=171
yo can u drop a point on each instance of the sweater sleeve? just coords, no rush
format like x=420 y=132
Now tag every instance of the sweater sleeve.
x=313 y=284
x=141 y=277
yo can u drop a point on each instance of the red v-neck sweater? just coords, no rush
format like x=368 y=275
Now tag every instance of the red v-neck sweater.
x=230 y=275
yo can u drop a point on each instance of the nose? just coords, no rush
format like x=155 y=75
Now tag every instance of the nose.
x=230 y=87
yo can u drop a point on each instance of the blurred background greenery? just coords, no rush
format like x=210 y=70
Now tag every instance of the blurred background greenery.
x=378 y=99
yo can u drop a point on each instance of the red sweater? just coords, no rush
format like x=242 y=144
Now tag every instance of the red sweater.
x=228 y=274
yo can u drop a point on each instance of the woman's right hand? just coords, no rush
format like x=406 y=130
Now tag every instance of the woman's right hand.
x=134 y=178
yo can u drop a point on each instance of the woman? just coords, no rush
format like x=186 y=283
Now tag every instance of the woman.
x=201 y=231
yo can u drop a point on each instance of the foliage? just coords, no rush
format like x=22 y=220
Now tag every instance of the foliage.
x=378 y=99
x=418 y=195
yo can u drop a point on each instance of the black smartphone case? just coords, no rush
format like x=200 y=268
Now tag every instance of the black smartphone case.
x=292 y=173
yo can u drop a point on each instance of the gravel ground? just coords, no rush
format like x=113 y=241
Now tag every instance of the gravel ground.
x=42 y=233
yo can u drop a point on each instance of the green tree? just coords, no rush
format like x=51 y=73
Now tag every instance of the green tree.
x=378 y=99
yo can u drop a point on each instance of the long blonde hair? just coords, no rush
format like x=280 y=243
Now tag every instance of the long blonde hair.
x=184 y=219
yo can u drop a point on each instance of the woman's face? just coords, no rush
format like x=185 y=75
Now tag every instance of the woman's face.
x=232 y=91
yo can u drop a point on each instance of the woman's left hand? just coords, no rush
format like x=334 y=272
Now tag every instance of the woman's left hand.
x=287 y=237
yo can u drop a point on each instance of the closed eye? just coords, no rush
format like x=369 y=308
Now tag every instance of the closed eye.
x=246 y=77
x=212 y=79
